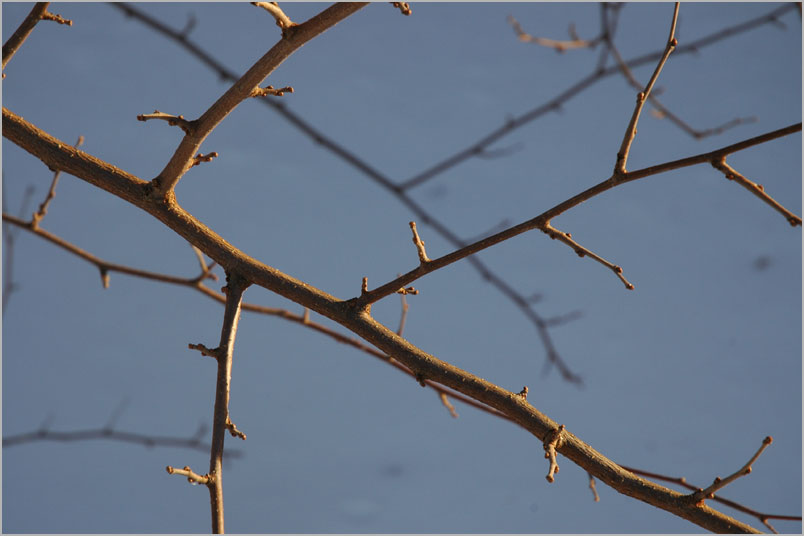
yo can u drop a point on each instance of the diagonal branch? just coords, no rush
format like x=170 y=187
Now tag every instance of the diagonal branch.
x=630 y=132
x=182 y=158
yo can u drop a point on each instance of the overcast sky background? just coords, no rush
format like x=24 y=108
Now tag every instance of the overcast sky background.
x=684 y=375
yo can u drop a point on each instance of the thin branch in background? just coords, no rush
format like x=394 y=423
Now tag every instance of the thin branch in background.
x=197 y=284
x=42 y=212
x=559 y=46
x=9 y=235
x=193 y=442
x=630 y=132
x=757 y=189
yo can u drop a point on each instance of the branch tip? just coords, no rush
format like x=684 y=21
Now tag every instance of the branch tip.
x=423 y=259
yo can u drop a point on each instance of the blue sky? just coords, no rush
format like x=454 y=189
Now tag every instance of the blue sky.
x=684 y=375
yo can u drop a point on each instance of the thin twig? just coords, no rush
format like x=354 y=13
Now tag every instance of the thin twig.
x=756 y=189
x=42 y=212
x=235 y=286
x=720 y=483
x=630 y=132
x=581 y=251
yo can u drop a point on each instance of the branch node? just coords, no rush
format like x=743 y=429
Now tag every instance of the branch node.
x=523 y=393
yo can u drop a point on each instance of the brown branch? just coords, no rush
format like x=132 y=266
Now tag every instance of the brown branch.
x=583 y=84
x=581 y=251
x=235 y=285
x=630 y=132
x=182 y=159
x=681 y=481
x=661 y=111
x=720 y=483
x=197 y=284
x=540 y=221
x=756 y=189
x=19 y=36
x=425 y=366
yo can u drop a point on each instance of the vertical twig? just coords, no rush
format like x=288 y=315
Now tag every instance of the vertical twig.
x=235 y=285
